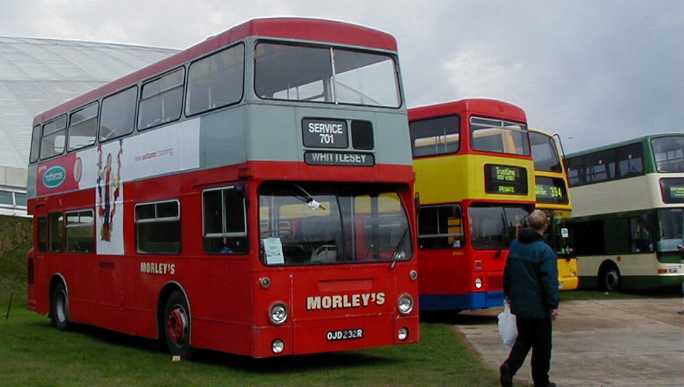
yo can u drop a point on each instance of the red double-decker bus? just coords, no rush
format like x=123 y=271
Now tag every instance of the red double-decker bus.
x=475 y=181
x=251 y=194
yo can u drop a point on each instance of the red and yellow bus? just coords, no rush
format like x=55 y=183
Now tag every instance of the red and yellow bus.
x=251 y=194
x=551 y=180
x=474 y=180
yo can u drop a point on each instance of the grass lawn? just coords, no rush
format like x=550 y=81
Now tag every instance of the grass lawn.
x=34 y=353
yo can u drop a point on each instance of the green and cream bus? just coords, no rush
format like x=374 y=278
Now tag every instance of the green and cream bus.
x=627 y=223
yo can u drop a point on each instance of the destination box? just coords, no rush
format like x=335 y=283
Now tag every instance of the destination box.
x=325 y=133
x=352 y=159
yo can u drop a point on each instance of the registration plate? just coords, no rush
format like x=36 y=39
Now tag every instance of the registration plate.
x=344 y=334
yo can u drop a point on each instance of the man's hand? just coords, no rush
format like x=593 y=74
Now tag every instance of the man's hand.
x=554 y=314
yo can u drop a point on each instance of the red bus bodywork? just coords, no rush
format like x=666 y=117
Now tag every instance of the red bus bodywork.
x=228 y=296
x=463 y=277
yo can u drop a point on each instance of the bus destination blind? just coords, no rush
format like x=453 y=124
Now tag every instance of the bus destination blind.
x=505 y=180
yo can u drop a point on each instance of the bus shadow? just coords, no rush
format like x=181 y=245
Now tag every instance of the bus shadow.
x=277 y=365
x=289 y=364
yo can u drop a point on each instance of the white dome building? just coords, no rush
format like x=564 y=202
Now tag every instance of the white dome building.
x=38 y=74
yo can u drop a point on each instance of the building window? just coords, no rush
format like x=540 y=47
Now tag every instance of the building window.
x=162 y=99
x=225 y=221
x=440 y=227
x=435 y=136
x=83 y=127
x=216 y=80
x=158 y=227
x=56 y=231
x=118 y=114
x=80 y=233
x=54 y=137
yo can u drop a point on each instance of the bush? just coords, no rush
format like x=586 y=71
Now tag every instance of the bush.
x=15 y=241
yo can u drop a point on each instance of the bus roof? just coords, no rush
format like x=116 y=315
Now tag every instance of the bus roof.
x=622 y=143
x=282 y=27
x=481 y=106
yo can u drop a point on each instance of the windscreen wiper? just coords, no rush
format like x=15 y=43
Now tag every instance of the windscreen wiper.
x=308 y=199
x=396 y=248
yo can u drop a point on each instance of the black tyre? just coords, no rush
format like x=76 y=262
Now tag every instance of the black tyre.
x=59 y=307
x=176 y=325
x=610 y=279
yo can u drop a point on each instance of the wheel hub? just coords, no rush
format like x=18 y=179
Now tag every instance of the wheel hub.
x=177 y=325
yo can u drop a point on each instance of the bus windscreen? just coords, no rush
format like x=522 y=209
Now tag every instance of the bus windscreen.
x=308 y=224
x=669 y=153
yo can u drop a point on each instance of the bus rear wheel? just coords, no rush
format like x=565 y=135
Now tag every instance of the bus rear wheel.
x=176 y=325
x=610 y=279
x=59 y=310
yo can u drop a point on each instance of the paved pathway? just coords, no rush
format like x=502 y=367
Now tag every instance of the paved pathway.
x=636 y=342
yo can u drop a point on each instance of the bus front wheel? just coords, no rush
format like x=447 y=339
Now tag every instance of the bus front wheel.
x=176 y=325
x=59 y=310
x=610 y=279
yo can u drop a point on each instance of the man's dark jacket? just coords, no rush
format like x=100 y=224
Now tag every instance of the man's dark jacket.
x=531 y=276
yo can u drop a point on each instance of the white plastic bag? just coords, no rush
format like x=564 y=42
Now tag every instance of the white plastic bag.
x=507 y=328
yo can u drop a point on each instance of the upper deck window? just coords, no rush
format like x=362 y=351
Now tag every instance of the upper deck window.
x=329 y=75
x=544 y=153
x=54 y=137
x=629 y=160
x=83 y=127
x=35 y=144
x=669 y=153
x=118 y=114
x=435 y=136
x=216 y=80
x=491 y=135
x=161 y=99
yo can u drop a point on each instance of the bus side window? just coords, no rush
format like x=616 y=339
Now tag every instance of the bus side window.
x=80 y=233
x=225 y=221
x=42 y=234
x=440 y=227
x=158 y=227
x=56 y=232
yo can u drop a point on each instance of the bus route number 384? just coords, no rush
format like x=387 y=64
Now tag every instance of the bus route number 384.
x=344 y=334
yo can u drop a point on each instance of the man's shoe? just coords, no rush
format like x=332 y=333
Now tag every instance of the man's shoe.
x=505 y=376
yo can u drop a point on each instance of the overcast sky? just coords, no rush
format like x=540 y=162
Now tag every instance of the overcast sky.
x=594 y=71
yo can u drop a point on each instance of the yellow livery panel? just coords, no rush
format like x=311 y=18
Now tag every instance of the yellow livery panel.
x=447 y=179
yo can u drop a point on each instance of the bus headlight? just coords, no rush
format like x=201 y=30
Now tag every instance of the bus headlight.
x=278 y=314
x=405 y=304
x=478 y=283
x=277 y=346
x=402 y=334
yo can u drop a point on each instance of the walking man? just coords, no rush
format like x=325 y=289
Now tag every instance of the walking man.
x=531 y=287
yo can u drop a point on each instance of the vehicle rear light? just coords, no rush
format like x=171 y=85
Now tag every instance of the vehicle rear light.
x=662 y=271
